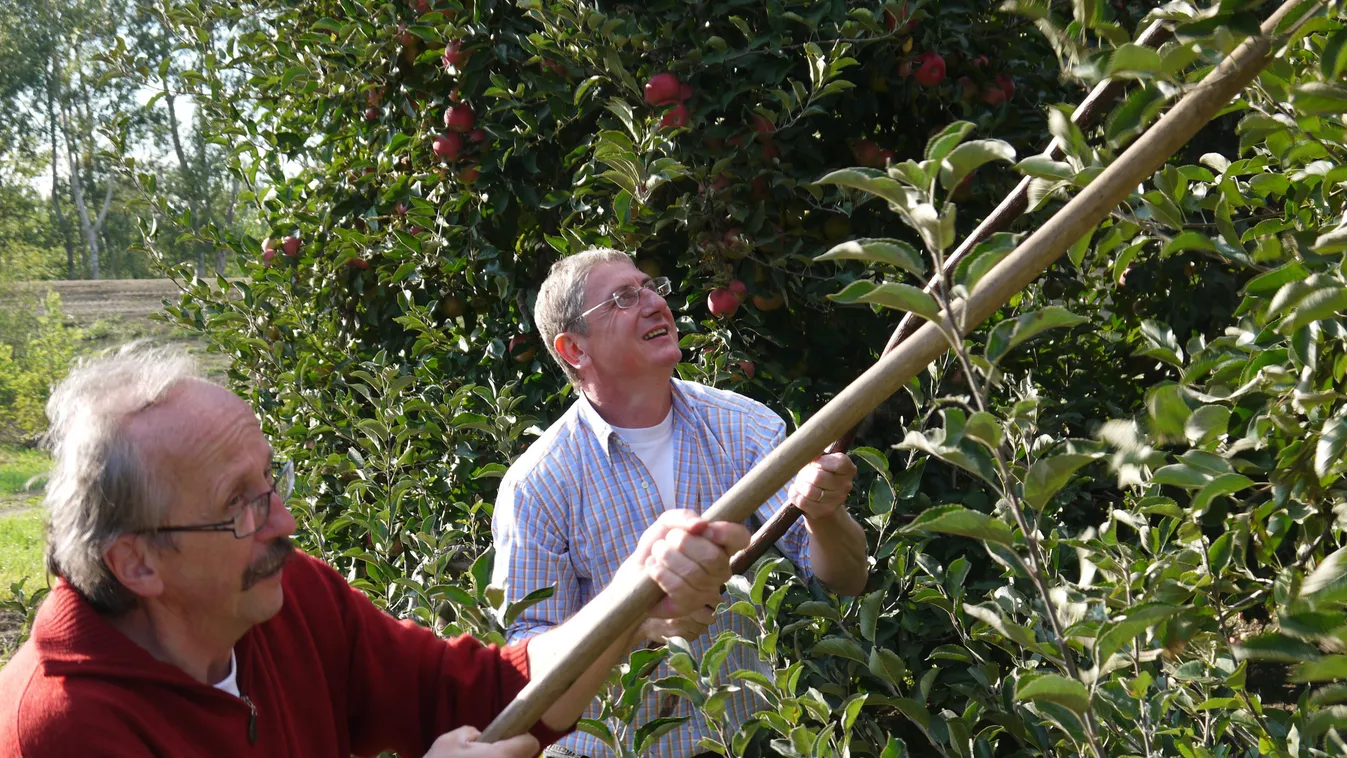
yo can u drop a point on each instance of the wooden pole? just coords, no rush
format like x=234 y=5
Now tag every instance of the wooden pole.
x=634 y=600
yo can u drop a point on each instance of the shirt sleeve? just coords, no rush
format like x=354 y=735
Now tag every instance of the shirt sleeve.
x=759 y=442
x=532 y=554
x=406 y=686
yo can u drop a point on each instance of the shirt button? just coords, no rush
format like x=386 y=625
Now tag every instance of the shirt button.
x=645 y=485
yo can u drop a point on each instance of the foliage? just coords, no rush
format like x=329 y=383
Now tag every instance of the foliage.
x=36 y=349
x=1153 y=476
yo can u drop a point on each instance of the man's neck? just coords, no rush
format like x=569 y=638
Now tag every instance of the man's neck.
x=168 y=638
x=633 y=405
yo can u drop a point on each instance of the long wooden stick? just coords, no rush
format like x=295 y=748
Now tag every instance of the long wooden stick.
x=633 y=600
x=1091 y=109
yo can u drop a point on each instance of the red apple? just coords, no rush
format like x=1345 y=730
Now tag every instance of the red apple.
x=451 y=306
x=930 y=69
x=455 y=57
x=763 y=126
x=555 y=68
x=891 y=22
x=469 y=174
x=268 y=254
x=761 y=191
x=1006 y=84
x=722 y=302
x=867 y=153
x=748 y=368
x=374 y=95
x=904 y=69
x=291 y=246
x=684 y=91
x=663 y=89
x=359 y=263
x=770 y=152
x=406 y=37
x=887 y=156
x=447 y=147
x=968 y=89
x=980 y=61
x=521 y=349
x=477 y=135
x=676 y=118
x=459 y=118
x=739 y=289
x=993 y=95
x=372 y=113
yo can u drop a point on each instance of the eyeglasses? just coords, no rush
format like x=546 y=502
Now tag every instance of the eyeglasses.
x=630 y=295
x=253 y=514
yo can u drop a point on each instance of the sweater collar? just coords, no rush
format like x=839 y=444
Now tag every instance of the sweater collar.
x=72 y=639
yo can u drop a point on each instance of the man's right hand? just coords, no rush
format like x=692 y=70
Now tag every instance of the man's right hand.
x=688 y=627
x=462 y=743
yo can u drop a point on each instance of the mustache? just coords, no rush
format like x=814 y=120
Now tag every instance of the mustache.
x=278 y=552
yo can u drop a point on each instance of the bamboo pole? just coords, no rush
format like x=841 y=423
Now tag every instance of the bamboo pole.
x=634 y=600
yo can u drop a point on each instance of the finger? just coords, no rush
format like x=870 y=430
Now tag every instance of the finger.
x=683 y=565
x=458 y=738
x=730 y=536
x=523 y=746
x=836 y=463
x=700 y=550
x=704 y=615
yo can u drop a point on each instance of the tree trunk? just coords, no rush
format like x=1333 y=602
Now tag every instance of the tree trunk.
x=189 y=185
x=77 y=191
x=222 y=254
x=56 y=216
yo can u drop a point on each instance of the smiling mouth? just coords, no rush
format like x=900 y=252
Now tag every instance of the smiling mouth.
x=658 y=332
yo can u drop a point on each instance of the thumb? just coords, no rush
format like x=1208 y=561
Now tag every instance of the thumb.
x=458 y=738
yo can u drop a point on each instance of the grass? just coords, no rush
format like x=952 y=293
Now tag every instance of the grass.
x=21 y=546
x=17 y=467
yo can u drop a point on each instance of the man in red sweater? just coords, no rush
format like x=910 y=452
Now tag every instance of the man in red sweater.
x=183 y=622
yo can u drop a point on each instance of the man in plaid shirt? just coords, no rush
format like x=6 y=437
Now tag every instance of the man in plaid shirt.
x=636 y=443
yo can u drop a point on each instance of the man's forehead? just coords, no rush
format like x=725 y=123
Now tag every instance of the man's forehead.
x=188 y=418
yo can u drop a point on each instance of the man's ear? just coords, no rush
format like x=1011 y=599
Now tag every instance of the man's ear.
x=571 y=348
x=134 y=561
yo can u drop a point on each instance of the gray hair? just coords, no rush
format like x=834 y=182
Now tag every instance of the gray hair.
x=562 y=298
x=100 y=486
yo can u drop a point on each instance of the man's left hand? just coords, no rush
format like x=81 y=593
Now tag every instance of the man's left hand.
x=822 y=487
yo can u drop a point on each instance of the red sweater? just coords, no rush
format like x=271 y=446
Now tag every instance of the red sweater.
x=331 y=675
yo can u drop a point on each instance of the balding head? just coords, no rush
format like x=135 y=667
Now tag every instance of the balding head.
x=100 y=485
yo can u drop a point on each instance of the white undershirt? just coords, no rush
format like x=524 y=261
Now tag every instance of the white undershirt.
x=654 y=446
x=230 y=683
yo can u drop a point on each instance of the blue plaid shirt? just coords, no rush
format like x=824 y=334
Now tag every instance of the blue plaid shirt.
x=573 y=507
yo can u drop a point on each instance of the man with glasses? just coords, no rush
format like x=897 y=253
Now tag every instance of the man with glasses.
x=184 y=623
x=638 y=443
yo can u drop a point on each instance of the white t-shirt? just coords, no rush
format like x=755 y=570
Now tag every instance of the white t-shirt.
x=230 y=683
x=654 y=446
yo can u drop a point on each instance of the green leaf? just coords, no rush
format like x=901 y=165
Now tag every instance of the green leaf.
x=1132 y=58
x=956 y=519
x=1007 y=334
x=840 y=647
x=1114 y=635
x=1333 y=58
x=1328 y=450
x=1207 y=424
x=886 y=665
x=1224 y=484
x=1167 y=408
x=941 y=144
x=888 y=251
x=984 y=257
x=966 y=158
x=1320 y=304
x=902 y=297
x=1048 y=475
x=870 y=180
x=1275 y=647
x=871 y=606
x=1054 y=688
x=985 y=428
x=1188 y=241
x=1326 y=669
x=1319 y=99
x=1330 y=243
x=1327 y=584
x=655 y=728
x=1043 y=167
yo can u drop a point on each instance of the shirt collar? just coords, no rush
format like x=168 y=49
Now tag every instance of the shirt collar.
x=603 y=431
